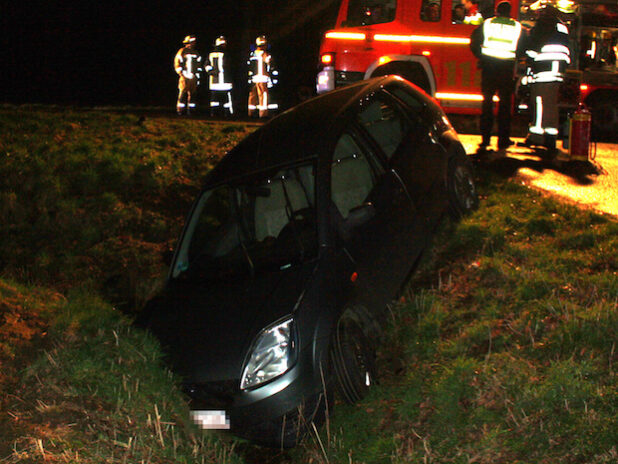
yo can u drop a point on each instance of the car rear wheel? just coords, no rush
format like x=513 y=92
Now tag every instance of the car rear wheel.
x=462 y=194
x=353 y=355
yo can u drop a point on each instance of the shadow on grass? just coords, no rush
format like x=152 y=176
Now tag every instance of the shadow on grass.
x=580 y=172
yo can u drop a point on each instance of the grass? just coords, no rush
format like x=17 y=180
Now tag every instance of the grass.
x=97 y=391
x=77 y=186
x=502 y=349
x=506 y=344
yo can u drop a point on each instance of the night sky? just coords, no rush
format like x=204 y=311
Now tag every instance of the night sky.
x=121 y=52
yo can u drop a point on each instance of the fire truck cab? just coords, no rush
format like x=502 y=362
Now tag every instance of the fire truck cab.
x=425 y=41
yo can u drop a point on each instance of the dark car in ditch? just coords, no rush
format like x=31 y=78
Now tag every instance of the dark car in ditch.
x=301 y=236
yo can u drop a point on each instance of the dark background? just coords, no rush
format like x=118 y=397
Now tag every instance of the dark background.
x=121 y=52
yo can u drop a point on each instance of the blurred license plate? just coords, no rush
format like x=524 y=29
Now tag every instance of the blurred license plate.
x=207 y=419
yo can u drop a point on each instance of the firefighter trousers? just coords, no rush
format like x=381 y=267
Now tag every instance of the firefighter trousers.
x=221 y=102
x=497 y=78
x=258 y=99
x=543 y=129
x=187 y=92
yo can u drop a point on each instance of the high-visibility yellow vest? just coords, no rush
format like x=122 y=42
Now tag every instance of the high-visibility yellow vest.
x=500 y=37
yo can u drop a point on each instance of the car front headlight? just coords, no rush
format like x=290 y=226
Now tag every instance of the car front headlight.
x=272 y=353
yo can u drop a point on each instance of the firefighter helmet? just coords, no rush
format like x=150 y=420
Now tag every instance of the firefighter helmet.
x=563 y=6
x=549 y=11
x=260 y=41
x=220 y=41
x=566 y=6
x=189 y=39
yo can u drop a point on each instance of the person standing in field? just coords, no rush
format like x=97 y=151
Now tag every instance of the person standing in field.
x=262 y=77
x=219 y=79
x=188 y=66
x=497 y=44
x=548 y=56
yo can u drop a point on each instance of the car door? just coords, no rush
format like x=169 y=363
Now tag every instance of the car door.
x=405 y=139
x=402 y=141
x=373 y=215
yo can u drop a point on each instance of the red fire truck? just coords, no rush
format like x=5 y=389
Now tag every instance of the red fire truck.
x=424 y=41
x=427 y=42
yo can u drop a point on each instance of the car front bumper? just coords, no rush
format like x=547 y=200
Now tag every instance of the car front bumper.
x=287 y=401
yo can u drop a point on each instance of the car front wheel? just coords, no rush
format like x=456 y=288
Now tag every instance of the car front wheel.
x=353 y=356
x=462 y=194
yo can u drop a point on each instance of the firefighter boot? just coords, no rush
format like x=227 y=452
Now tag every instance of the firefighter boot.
x=550 y=142
x=534 y=139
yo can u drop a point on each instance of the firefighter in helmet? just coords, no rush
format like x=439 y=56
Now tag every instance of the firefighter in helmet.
x=548 y=55
x=188 y=65
x=473 y=15
x=219 y=79
x=263 y=77
x=496 y=43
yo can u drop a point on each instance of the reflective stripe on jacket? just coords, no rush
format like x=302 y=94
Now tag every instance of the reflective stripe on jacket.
x=217 y=72
x=550 y=59
x=500 y=38
x=188 y=63
x=259 y=66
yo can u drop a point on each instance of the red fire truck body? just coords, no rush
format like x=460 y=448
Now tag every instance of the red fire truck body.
x=421 y=40
x=426 y=42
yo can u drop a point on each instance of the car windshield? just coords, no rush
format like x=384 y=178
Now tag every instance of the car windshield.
x=259 y=224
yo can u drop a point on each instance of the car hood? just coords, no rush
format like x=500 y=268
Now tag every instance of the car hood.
x=207 y=329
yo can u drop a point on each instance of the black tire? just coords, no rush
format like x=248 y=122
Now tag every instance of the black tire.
x=462 y=195
x=353 y=355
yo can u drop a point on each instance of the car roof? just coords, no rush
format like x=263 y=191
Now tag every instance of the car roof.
x=296 y=134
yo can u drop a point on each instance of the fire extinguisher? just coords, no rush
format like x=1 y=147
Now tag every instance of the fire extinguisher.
x=579 y=134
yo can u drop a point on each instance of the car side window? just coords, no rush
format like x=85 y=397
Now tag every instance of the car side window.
x=385 y=125
x=408 y=98
x=352 y=176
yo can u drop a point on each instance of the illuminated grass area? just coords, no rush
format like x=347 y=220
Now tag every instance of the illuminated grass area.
x=502 y=349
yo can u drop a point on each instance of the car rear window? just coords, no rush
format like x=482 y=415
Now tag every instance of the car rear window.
x=352 y=177
x=384 y=124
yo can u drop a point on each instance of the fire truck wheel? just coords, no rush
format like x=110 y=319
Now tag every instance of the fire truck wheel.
x=462 y=194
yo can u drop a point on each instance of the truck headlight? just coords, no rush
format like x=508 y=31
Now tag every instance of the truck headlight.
x=273 y=352
x=325 y=80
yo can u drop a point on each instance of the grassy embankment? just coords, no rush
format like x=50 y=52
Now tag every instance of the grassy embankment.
x=503 y=350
